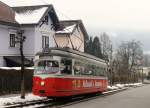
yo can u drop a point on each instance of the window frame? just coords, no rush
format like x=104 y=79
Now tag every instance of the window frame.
x=12 y=40
x=45 y=41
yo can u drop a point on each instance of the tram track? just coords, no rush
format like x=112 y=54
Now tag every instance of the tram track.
x=49 y=103
x=91 y=97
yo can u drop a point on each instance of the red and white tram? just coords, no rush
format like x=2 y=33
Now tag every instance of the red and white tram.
x=61 y=72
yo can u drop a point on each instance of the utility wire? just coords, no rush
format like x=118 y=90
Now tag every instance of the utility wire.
x=45 y=2
x=62 y=14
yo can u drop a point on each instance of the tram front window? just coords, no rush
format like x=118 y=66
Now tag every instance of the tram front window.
x=47 y=67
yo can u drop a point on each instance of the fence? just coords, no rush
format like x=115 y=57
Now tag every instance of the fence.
x=10 y=80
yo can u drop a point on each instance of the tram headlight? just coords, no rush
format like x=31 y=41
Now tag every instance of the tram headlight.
x=42 y=83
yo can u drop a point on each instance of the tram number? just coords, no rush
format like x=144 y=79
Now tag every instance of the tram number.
x=76 y=83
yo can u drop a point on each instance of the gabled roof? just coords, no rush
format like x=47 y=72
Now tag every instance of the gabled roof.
x=27 y=15
x=18 y=3
x=7 y=15
x=65 y=24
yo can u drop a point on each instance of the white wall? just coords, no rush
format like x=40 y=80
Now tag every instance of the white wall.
x=44 y=30
x=5 y=49
x=29 y=44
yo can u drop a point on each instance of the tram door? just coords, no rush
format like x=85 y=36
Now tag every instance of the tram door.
x=66 y=66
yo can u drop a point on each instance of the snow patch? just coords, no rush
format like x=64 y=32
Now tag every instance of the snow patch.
x=15 y=68
x=16 y=99
x=68 y=29
x=117 y=86
x=112 y=87
x=30 y=16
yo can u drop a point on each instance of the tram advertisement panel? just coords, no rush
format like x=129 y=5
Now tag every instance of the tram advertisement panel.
x=86 y=83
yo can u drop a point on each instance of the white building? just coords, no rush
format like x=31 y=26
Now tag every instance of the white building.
x=146 y=71
x=38 y=24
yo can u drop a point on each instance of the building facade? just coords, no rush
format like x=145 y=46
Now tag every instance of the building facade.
x=37 y=23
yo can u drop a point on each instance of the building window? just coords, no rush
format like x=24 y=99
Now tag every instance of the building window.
x=45 y=41
x=12 y=40
x=46 y=20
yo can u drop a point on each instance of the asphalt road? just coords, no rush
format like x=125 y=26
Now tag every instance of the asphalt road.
x=132 y=98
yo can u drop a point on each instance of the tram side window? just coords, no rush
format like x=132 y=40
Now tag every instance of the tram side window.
x=77 y=68
x=66 y=66
x=89 y=69
x=94 y=70
x=82 y=68
x=100 y=71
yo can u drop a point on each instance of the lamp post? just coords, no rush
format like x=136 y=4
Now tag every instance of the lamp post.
x=142 y=76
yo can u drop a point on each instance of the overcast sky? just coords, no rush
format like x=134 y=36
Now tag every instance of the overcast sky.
x=122 y=19
x=129 y=19
x=126 y=14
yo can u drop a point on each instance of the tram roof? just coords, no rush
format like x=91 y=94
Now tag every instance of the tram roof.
x=67 y=52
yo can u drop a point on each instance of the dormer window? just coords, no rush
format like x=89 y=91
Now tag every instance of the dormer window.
x=46 y=19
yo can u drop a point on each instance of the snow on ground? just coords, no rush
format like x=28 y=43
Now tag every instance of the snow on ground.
x=15 y=98
x=117 y=86
x=9 y=99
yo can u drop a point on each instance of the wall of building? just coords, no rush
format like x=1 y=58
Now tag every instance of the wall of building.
x=32 y=44
x=146 y=70
x=63 y=41
x=29 y=44
x=77 y=39
x=44 y=30
x=5 y=49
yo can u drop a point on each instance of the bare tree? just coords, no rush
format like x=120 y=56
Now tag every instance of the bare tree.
x=129 y=56
x=107 y=51
x=106 y=46
x=20 y=39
